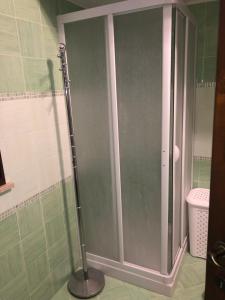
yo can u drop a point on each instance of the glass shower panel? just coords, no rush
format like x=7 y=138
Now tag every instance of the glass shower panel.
x=88 y=74
x=190 y=96
x=178 y=129
x=138 y=43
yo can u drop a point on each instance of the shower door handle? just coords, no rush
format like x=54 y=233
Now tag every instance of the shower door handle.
x=176 y=153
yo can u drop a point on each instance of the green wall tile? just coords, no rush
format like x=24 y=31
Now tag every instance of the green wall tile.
x=41 y=264
x=199 y=68
x=55 y=230
x=50 y=41
x=75 y=246
x=28 y=10
x=200 y=42
x=34 y=245
x=38 y=38
x=9 y=233
x=11 y=265
x=201 y=173
x=68 y=192
x=71 y=216
x=55 y=75
x=36 y=75
x=8 y=31
x=204 y=184
x=206 y=15
x=58 y=77
x=204 y=170
x=195 y=184
x=16 y=289
x=37 y=271
x=52 y=203
x=60 y=274
x=65 y=7
x=209 y=69
x=48 y=12
x=195 y=169
x=212 y=13
x=31 y=39
x=199 y=11
x=211 y=42
x=30 y=219
x=12 y=80
x=44 y=291
x=6 y=7
x=58 y=253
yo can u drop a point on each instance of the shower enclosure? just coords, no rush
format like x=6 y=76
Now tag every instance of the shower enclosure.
x=131 y=66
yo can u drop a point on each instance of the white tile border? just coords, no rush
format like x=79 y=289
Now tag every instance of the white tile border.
x=32 y=199
x=202 y=158
x=29 y=95
x=211 y=84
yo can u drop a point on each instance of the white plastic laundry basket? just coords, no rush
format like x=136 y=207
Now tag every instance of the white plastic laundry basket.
x=198 y=207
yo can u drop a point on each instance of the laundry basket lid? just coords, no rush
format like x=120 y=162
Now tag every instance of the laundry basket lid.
x=199 y=197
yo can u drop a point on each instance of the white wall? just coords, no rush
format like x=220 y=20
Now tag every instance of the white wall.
x=35 y=146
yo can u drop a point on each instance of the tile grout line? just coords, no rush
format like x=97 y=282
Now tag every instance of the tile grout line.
x=46 y=244
x=44 y=49
x=26 y=20
x=20 y=48
x=14 y=96
x=204 y=45
x=198 y=173
x=21 y=247
x=68 y=233
x=26 y=57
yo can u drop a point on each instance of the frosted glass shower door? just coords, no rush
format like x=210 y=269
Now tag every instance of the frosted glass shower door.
x=178 y=128
x=88 y=73
x=138 y=45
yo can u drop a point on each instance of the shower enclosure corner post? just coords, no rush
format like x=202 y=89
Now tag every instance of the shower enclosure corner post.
x=187 y=184
x=165 y=156
x=183 y=234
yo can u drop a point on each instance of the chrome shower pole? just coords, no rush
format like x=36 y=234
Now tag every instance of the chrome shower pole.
x=87 y=282
x=73 y=152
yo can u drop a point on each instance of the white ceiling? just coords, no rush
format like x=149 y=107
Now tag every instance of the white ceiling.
x=93 y=3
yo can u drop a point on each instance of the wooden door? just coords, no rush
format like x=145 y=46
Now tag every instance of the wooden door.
x=215 y=274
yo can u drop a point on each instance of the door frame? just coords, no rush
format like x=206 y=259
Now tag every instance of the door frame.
x=216 y=230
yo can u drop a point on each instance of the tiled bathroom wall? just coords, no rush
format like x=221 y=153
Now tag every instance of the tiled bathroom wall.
x=39 y=245
x=34 y=145
x=206 y=15
x=201 y=172
x=204 y=114
x=38 y=229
